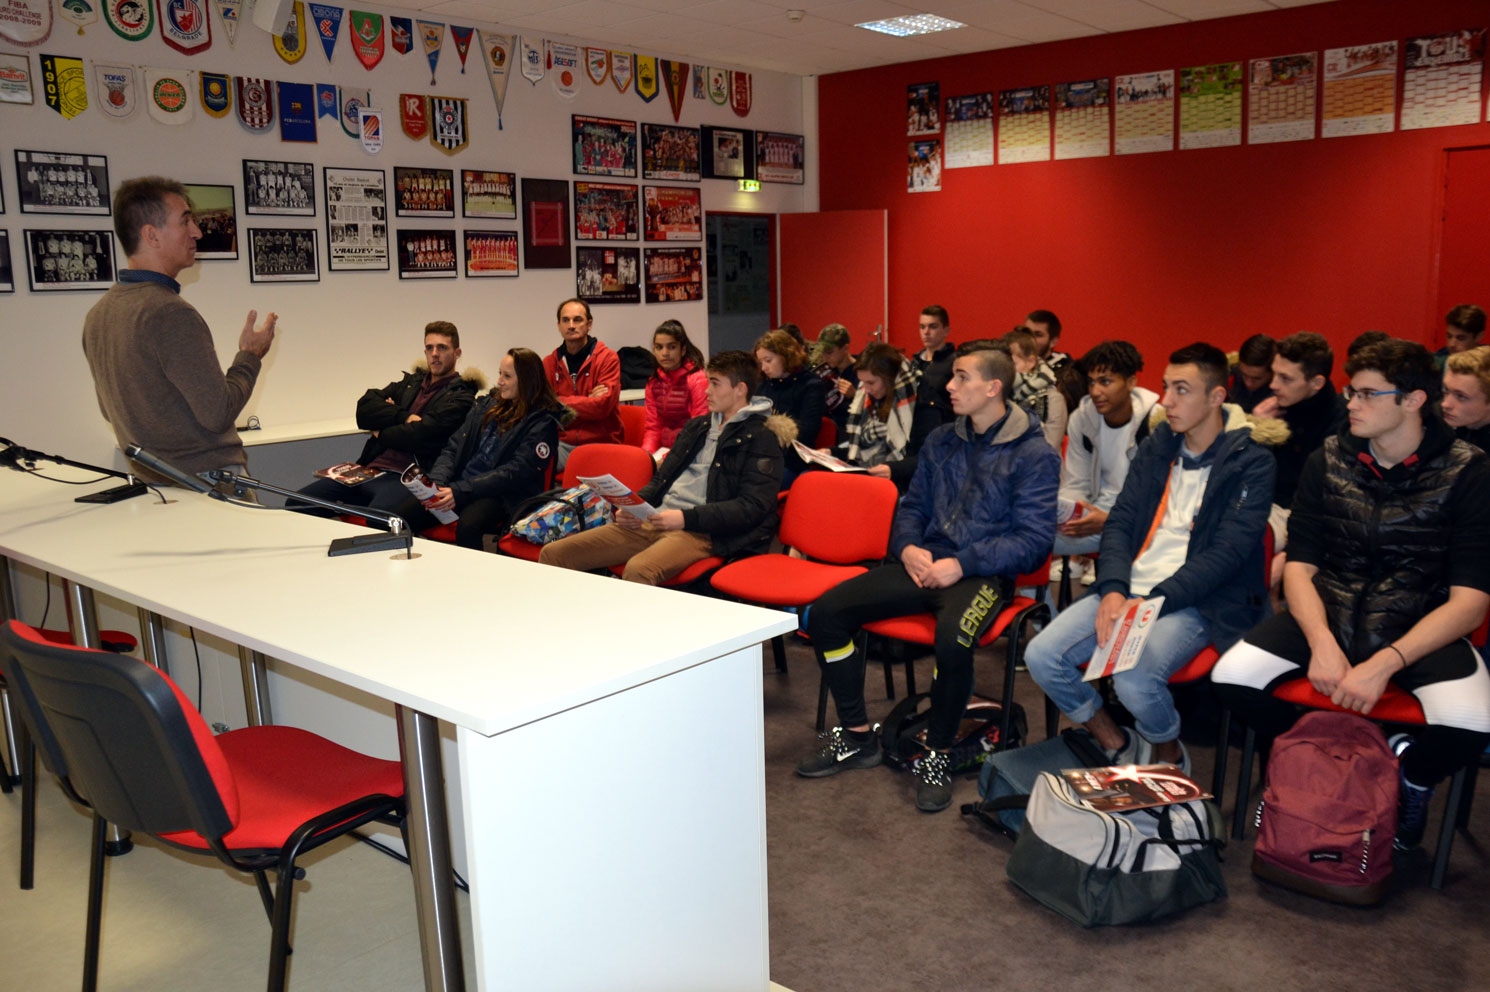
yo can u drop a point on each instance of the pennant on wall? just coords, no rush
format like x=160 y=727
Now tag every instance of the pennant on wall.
x=228 y=10
x=185 y=26
x=402 y=31
x=432 y=36
x=255 y=102
x=132 y=20
x=739 y=92
x=413 y=115
x=168 y=92
x=297 y=111
x=718 y=86
x=532 y=55
x=597 y=65
x=646 y=77
x=327 y=20
x=370 y=125
x=216 y=92
x=367 y=37
x=290 y=43
x=63 y=83
x=621 y=64
x=328 y=100
x=462 y=39
x=352 y=102
x=496 y=54
x=448 y=130
x=26 y=22
x=563 y=61
x=675 y=81
x=80 y=13
x=15 y=79
x=699 y=92
x=117 y=96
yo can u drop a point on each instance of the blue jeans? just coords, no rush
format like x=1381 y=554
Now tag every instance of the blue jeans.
x=1056 y=653
x=1088 y=545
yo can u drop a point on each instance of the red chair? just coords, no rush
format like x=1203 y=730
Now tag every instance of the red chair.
x=124 y=740
x=920 y=628
x=626 y=462
x=445 y=533
x=836 y=521
x=827 y=435
x=633 y=423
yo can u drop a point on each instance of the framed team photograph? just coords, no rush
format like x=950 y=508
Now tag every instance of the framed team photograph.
x=728 y=153
x=670 y=152
x=217 y=217
x=488 y=194
x=427 y=255
x=7 y=270
x=356 y=219
x=62 y=183
x=282 y=189
x=283 y=254
x=608 y=275
x=673 y=213
x=62 y=261
x=546 y=224
x=605 y=212
x=490 y=254
x=673 y=275
x=780 y=158
x=604 y=146
x=423 y=192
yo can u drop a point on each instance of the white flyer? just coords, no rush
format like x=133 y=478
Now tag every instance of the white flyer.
x=1125 y=644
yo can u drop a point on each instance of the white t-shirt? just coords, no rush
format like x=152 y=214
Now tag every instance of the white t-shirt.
x=1171 y=542
x=1112 y=457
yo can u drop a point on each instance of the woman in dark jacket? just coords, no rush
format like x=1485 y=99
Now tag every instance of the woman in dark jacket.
x=793 y=390
x=500 y=456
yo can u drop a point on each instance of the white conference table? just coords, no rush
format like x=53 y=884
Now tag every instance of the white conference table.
x=609 y=736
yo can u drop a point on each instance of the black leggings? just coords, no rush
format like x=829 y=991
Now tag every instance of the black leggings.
x=478 y=518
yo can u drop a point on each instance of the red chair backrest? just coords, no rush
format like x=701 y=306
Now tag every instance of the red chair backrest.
x=827 y=434
x=839 y=517
x=1039 y=577
x=633 y=423
x=626 y=462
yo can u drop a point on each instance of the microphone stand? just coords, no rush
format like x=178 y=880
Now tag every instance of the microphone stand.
x=15 y=455
x=397 y=538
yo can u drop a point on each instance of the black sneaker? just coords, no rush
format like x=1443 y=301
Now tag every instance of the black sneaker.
x=840 y=751
x=1412 y=814
x=933 y=785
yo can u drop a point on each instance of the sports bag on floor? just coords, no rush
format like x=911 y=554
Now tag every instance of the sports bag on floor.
x=1008 y=776
x=903 y=734
x=558 y=513
x=1329 y=810
x=1100 y=869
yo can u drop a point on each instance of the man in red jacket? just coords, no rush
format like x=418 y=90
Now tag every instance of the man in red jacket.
x=586 y=375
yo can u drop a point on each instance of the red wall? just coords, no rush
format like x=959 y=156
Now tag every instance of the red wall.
x=1335 y=236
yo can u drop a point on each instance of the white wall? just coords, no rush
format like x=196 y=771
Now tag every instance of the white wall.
x=352 y=329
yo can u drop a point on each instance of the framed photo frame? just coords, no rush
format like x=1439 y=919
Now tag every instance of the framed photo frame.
x=490 y=254
x=356 y=219
x=488 y=194
x=62 y=183
x=421 y=192
x=673 y=213
x=728 y=153
x=608 y=275
x=217 y=216
x=546 y=224
x=605 y=212
x=427 y=254
x=780 y=158
x=670 y=152
x=673 y=275
x=281 y=189
x=604 y=146
x=283 y=254
x=64 y=261
x=7 y=268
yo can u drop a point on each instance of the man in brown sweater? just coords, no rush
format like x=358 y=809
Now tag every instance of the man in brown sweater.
x=154 y=365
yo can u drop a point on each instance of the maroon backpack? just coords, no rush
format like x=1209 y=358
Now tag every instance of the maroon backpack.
x=1329 y=810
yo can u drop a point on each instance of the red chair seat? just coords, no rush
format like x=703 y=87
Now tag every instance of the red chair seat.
x=920 y=628
x=441 y=532
x=112 y=640
x=692 y=573
x=779 y=580
x=517 y=547
x=1395 y=705
x=1197 y=667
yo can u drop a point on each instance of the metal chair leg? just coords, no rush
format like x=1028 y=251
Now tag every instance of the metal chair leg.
x=95 y=906
x=1446 y=831
x=1244 y=787
x=778 y=651
x=28 y=810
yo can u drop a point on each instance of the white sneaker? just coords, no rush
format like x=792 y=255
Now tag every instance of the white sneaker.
x=1088 y=572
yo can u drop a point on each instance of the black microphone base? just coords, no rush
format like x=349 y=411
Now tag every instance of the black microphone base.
x=114 y=495
x=370 y=542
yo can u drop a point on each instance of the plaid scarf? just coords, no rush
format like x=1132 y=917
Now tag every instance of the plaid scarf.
x=872 y=441
x=1032 y=389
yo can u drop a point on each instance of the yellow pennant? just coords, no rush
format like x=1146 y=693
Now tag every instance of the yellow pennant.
x=290 y=43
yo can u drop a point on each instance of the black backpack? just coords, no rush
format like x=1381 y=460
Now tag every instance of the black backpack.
x=903 y=733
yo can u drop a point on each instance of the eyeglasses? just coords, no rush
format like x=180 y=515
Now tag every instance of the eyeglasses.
x=1367 y=395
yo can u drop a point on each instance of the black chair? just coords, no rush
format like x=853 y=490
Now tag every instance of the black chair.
x=126 y=741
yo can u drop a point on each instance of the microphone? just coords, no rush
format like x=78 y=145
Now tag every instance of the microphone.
x=14 y=455
x=137 y=454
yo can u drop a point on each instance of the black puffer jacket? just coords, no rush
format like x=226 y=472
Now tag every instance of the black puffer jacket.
x=425 y=437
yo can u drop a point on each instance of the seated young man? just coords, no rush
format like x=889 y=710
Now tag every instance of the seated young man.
x=716 y=490
x=1466 y=396
x=1252 y=375
x=1388 y=570
x=1187 y=526
x=980 y=510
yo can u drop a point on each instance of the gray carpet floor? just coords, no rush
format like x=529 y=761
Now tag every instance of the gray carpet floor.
x=869 y=893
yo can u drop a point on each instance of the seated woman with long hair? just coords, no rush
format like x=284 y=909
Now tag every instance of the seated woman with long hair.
x=879 y=418
x=502 y=454
x=677 y=392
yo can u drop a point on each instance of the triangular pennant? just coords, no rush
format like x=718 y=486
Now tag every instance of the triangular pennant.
x=168 y=93
x=646 y=77
x=675 y=81
x=432 y=36
x=255 y=102
x=117 y=96
x=328 y=100
x=352 y=102
x=563 y=64
x=327 y=20
x=496 y=53
x=621 y=66
x=401 y=30
x=185 y=26
x=290 y=43
x=216 y=90
x=297 y=111
x=132 y=20
x=447 y=130
x=413 y=114
x=597 y=65
x=370 y=124
x=26 y=22
x=699 y=92
x=228 y=10
x=739 y=92
x=718 y=86
x=65 y=85
x=462 y=39
x=367 y=37
x=532 y=60
x=79 y=13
